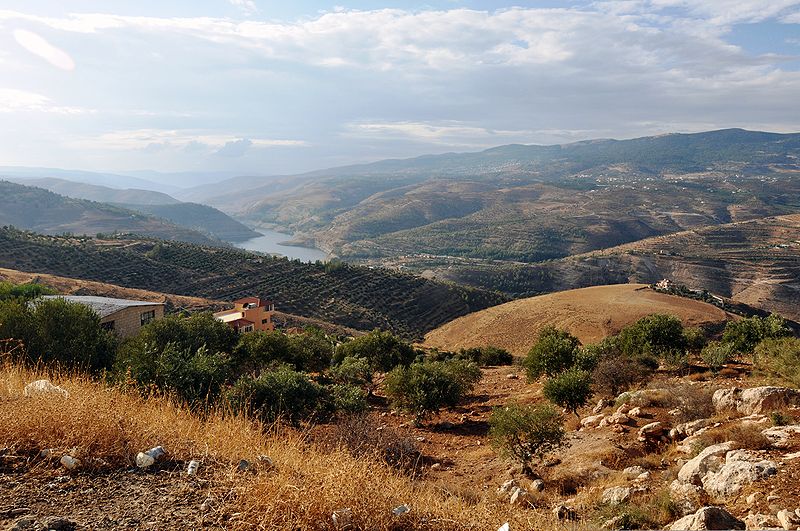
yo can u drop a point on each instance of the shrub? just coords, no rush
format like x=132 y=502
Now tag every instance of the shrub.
x=58 y=331
x=616 y=373
x=348 y=398
x=310 y=351
x=654 y=335
x=780 y=357
x=352 y=371
x=526 y=433
x=716 y=354
x=695 y=338
x=743 y=335
x=425 y=387
x=571 y=389
x=552 y=353
x=781 y=418
x=487 y=356
x=361 y=436
x=382 y=350
x=278 y=394
x=25 y=292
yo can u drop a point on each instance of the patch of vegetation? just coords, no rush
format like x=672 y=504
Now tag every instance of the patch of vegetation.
x=743 y=335
x=553 y=352
x=780 y=357
x=570 y=389
x=526 y=433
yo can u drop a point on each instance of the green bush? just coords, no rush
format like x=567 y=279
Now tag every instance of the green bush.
x=382 y=350
x=425 y=387
x=348 y=398
x=354 y=371
x=571 y=389
x=656 y=335
x=27 y=291
x=310 y=351
x=695 y=338
x=743 y=335
x=780 y=357
x=55 y=331
x=487 y=356
x=278 y=394
x=716 y=354
x=186 y=356
x=553 y=352
x=526 y=433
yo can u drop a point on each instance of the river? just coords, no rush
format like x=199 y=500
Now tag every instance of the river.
x=269 y=243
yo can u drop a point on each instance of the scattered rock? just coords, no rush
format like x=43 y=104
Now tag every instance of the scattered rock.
x=150 y=457
x=617 y=495
x=70 y=463
x=519 y=496
x=652 y=432
x=689 y=428
x=27 y=524
x=508 y=486
x=537 y=485
x=633 y=472
x=783 y=437
x=342 y=518
x=505 y=527
x=735 y=474
x=400 y=510
x=752 y=498
x=635 y=413
x=755 y=399
x=694 y=470
x=708 y=518
x=601 y=405
x=688 y=498
x=592 y=421
x=618 y=522
x=44 y=388
x=760 y=521
x=562 y=512
x=788 y=519
x=512 y=376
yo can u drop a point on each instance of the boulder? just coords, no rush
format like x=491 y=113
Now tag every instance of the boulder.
x=689 y=428
x=601 y=405
x=633 y=472
x=755 y=399
x=652 y=432
x=618 y=418
x=709 y=459
x=783 y=437
x=592 y=421
x=44 y=388
x=635 y=413
x=708 y=518
x=687 y=498
x=617 y=495
x=737 y=473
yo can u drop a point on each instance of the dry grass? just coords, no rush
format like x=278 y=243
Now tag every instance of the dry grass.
x=302 y=491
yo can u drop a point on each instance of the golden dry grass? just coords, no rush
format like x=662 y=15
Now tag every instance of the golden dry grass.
x=590 y=314
x=301 y=492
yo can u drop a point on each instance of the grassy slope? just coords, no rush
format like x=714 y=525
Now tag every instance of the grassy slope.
x=591 y=314
x=302 y=491
x=356 y=297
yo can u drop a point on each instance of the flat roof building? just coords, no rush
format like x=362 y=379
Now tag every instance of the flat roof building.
x=122 y=316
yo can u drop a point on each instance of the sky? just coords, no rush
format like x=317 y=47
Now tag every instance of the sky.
x=275 y=87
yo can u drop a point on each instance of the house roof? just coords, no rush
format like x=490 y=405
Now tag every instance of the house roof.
x=103 y=306
x=241 y=322
x=248 y=300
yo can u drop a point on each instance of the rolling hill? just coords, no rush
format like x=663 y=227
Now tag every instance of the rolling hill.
x=590 y=314
x=529 y=203
x=351 y=296
x=43 y=211
x=755 y=262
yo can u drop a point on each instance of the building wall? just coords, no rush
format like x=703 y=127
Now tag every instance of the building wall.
x=127 y=322
x=258 y=316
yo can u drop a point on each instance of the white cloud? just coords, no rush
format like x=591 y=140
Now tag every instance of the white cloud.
x=38 y=45
x=174 y=139
x=446 y=134
x=16 y=101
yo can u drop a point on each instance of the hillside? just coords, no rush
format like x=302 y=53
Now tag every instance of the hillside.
x=530 y=203
x=590 y=314
x=42 y=211
x=96 y=192
x=754 y=262
x=201 y=218
x=356 y=297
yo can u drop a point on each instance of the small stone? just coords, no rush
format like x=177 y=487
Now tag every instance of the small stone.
x=400 y=510
x=752 y=498
x=70 y=463
x=772 y=498
x=537 y=485
x=44 y=388
x=788 y=519
x=708 y=518
x=243 y=465
x=505 y=527
x=633 y=472
x=635 y=412
x=519 y=497
x=436 y=466
x=562 y=512
x=507 y=486
x=617 y=495
x=512 y=376
x=342 y=518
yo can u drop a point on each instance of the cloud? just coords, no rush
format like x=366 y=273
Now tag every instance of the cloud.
x=39 y=46
x=247 y=6
x=154 y=140
x=445 y=134
x=15 y=101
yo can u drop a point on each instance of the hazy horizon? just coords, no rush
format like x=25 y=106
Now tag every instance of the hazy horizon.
x=244 y=87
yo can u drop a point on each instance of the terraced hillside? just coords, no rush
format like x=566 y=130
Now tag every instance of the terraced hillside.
x=357 y=297
x=755 y=262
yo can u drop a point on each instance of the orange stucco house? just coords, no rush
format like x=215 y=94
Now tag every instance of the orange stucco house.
x=249 y=315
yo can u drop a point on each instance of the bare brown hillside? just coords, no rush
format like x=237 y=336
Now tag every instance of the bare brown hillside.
x=591 y=314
